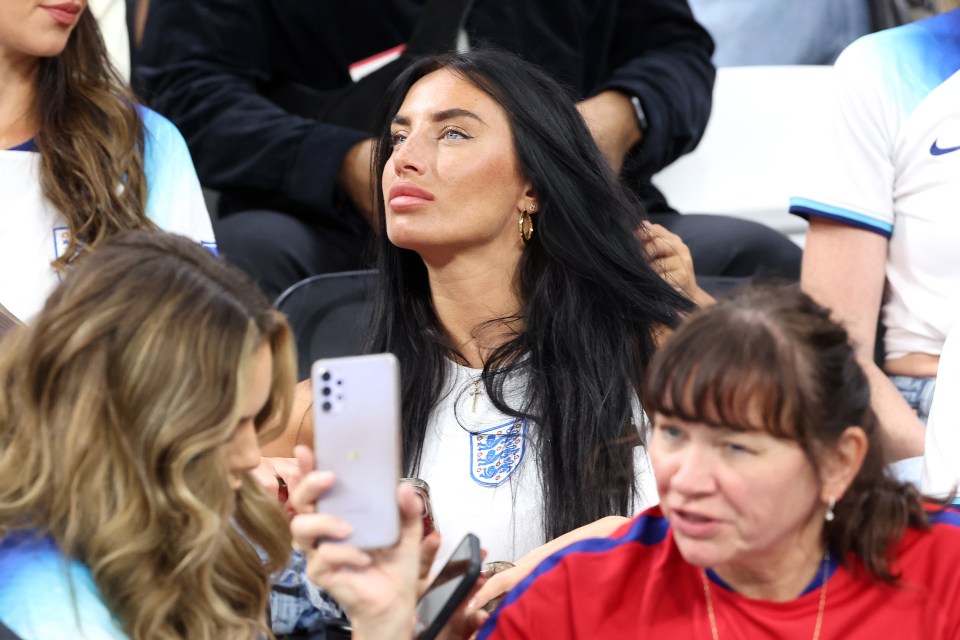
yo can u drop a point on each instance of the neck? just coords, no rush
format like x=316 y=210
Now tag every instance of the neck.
x=778 y=575
x=467 y=294
x=18 y=87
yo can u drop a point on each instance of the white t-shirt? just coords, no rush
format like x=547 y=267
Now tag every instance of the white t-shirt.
x=33 y=234
x=483 y=473
x=894 y=169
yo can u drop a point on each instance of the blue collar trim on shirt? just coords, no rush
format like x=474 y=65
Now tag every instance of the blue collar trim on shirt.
x=29 y=145
x=832 y=563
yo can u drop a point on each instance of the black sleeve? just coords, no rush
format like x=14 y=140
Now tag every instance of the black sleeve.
x=660 y=54
x=204 y=64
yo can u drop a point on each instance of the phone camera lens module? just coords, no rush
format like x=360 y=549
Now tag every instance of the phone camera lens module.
x=326 y=406
x=325 y=376
x=326 y=391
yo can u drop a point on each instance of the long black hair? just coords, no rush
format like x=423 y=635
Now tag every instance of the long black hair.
x=590 y=304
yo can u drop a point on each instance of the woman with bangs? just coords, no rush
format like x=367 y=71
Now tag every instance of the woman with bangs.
x=777 y=516
x=130 y=414
x=80 y=160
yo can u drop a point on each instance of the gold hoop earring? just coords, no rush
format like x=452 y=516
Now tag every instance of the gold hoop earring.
x=526 y=230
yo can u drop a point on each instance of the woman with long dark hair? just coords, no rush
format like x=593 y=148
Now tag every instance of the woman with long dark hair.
x=79 y=159
x=518 y=295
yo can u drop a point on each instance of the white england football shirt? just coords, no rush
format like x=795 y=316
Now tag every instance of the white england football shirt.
x=34 y=234
x=894 y=169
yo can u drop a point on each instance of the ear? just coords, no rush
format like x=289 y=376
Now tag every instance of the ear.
x=840 y=464
x=529 y=202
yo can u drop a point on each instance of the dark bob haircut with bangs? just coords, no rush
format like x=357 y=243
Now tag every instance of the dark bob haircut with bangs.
x=770 y=358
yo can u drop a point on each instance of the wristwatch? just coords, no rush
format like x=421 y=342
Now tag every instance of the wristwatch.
x=641 y=116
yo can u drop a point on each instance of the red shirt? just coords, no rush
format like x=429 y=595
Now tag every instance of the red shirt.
x=635 y=584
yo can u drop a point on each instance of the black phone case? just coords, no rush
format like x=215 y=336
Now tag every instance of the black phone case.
x=458 y=596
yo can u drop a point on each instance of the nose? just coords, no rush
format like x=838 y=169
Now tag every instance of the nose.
x=408 y=156
x=694 y=471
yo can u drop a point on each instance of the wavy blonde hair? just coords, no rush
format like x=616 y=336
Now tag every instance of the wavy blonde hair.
x=114 y=405
x=91 y=142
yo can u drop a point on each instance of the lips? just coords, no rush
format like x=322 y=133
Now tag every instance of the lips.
x=65 y=13
x=692 y=524
x=404 y=196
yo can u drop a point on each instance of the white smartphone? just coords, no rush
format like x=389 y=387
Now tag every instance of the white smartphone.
x=356 y=409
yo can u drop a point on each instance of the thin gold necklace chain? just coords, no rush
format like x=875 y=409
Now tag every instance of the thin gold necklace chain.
x=816 y=628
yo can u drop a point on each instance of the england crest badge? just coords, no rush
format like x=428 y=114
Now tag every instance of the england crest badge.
x=495 y=453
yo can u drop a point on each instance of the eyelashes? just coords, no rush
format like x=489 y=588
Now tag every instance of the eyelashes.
x=397 y=138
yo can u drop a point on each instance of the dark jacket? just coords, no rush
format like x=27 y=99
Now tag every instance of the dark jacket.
x=208 y=65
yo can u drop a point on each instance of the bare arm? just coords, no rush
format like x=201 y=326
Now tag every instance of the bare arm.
x=843 y=268
x=506 y=580
x=613 y=124
x=299 y=430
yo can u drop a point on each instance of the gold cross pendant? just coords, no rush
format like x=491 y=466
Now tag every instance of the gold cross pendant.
x=476 y=393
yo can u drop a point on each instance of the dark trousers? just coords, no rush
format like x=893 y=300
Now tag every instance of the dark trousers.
x=280 y=250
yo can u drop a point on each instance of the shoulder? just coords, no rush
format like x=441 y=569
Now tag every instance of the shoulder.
x=638 y=540
x=160 y=135
x=930 y=556
x=907 y=62
x=944 y=528
x=46 y=595
x=584 y=584
x=154 y=123
x=640 y=543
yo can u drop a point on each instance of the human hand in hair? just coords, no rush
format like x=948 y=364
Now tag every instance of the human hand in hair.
x=671 y=258
x=379 y=588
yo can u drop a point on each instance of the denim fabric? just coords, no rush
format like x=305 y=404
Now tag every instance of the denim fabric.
x=296 y=605
x=750 y=32
x=918 y=392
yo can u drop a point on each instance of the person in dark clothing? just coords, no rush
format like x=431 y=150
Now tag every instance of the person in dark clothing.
x=296 y=190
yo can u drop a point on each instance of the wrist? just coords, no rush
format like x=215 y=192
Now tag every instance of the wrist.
x=396 y=625
x=622 y=105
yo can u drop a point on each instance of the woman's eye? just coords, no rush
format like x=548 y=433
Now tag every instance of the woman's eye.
x=670 y=432
x=453 y=134
x=735 y=447
x=397 y=138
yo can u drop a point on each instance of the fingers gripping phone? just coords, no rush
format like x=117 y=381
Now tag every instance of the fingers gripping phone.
x=356 y=407
x=450 y=588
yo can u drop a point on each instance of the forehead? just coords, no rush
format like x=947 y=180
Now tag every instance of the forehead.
x=442 y=90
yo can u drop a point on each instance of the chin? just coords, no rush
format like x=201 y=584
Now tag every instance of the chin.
x=700 y=553
x=50 y=47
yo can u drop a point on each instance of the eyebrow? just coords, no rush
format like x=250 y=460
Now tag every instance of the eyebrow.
x=441 y=116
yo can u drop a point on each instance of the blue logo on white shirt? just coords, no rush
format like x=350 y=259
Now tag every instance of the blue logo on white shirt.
x=61 y=240
x=939 y=151
x=495 y=453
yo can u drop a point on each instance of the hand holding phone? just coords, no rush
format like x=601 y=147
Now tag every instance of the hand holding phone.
x=377 y=589
x=356 y=404
x=449 y=589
